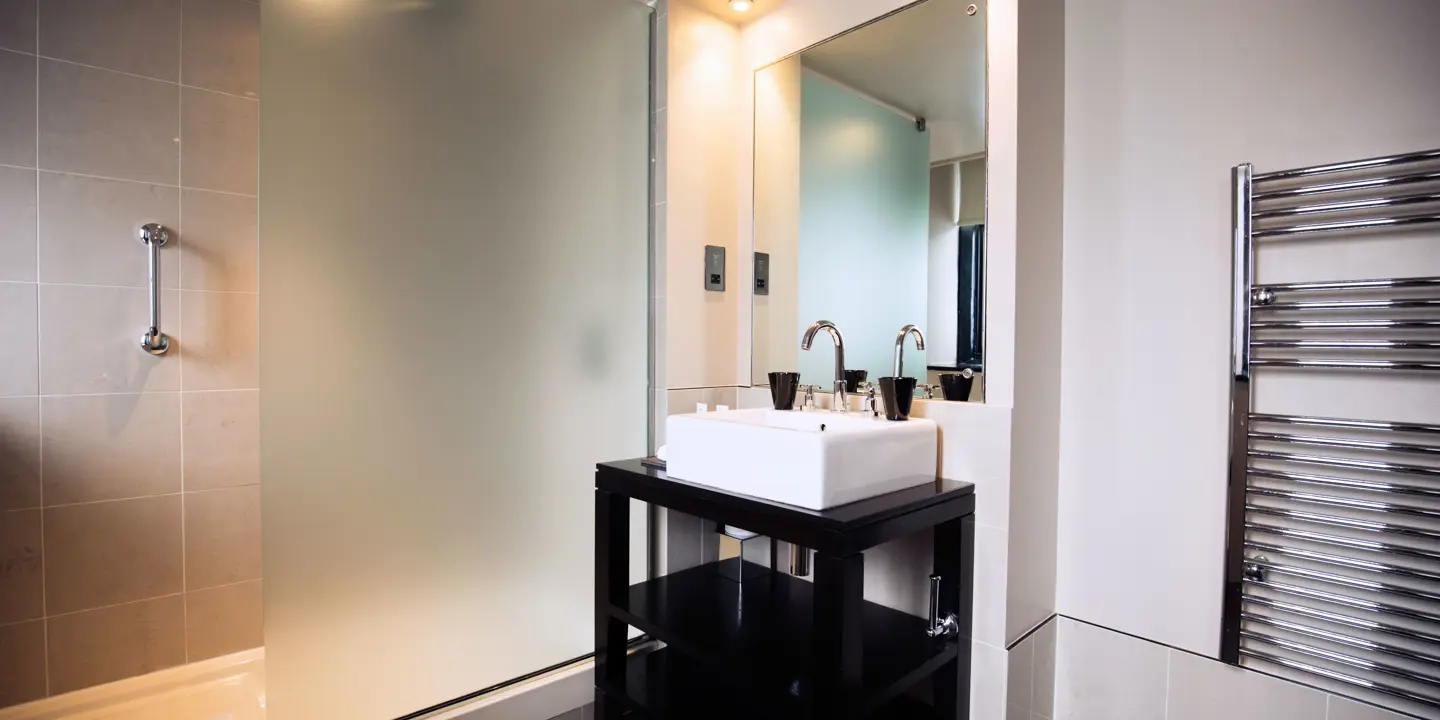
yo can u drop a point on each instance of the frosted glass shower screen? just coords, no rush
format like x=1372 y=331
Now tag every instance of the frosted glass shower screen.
x=454 y=198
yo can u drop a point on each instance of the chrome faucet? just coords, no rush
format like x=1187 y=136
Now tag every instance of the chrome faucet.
x=900 y=347
x=841 y=402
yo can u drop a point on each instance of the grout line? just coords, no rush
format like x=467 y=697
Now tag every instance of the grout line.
x=124 y=180
x=254 y=99
x=166 y=596
x=133 y=602
x=1025 y=635
x=1032 y=706
x=179 y=318
x=1169 y=655
x=40 y=373
x=222 y=586
x=129 y=394
x=128 y=287
x=176 y=83
x=128 y=498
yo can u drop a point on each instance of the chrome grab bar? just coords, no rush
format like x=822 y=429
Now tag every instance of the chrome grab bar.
x=154 y=236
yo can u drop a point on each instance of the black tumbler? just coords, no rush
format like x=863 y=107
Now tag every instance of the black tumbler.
x=783 y=386
x=956 y=386
x=899 y=394
x=853 y=378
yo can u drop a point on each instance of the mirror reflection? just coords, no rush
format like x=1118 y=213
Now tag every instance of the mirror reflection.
x=870 y=201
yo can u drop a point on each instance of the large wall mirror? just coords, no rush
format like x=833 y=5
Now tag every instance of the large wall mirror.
x=870 y=199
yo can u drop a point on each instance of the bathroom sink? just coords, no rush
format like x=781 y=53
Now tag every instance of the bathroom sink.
x=810 y=459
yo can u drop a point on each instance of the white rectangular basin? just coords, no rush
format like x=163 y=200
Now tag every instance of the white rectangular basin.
x=810 y=459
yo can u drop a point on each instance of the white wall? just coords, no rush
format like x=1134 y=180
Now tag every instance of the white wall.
x=942 y=306
x=777 y=217
x=701 y=162
x=1034 y=464
x=951 y=139
x=1161 y=99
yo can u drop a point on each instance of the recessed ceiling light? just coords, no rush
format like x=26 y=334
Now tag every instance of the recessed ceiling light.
x=739 y=5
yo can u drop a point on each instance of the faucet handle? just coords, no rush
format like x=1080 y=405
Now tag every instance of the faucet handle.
x=929 y=391
x=809 y=401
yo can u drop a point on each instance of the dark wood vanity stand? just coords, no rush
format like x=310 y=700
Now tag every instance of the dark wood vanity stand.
x=777 y=646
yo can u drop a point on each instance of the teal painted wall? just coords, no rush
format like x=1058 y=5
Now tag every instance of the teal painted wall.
x=864 y=225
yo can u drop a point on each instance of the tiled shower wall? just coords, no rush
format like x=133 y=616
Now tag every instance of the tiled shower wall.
x=129 y=496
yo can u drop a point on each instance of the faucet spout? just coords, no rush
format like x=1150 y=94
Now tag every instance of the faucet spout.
x=841 y=402
x=900 y=347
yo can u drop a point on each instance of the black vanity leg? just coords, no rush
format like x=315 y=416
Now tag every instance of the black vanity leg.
x=612 y=584
x=955 y=564
x=838 y=636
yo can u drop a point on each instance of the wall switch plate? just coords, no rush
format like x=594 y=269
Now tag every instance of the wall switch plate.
x=714 y=268
x=762 y=273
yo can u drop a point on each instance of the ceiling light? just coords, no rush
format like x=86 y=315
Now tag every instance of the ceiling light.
x=739 y=5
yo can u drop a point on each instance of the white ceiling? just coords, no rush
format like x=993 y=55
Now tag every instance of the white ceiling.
x=928 y=60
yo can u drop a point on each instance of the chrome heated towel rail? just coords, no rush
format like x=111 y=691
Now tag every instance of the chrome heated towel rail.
x=1332 y=568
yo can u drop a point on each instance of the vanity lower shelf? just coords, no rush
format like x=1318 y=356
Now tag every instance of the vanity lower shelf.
x=669 y=684
x=757 y=636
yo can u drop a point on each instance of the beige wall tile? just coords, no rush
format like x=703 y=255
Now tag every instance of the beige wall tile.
x=103 y=123
x=90 y=341
x=222 y=537
x=21 y=580
x=107 y=447
x=17 y=224
x=1199 y=688
x=100 y=554
x=17 y=29
x=114 y=643
x=1339 y=708
x=221 y=241
x=1019 y=674
x=135 y=36
x=220 y=141
x=17 y=109
x=222 y=439
x=222 y=46
x=220 y=339
x=19 y=453
x=89 y=230
x=18 y=326
x=22 y=654
x=223 y=620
